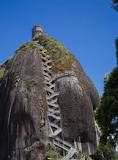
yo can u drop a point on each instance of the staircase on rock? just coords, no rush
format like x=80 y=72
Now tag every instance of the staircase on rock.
x=54 y=115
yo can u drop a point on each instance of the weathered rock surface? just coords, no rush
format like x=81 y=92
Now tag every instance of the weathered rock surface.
x=78 y=97
x=23 y=108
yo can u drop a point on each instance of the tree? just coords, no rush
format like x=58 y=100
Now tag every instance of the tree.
x=107 y=114
x=104 y=152
x=115 y=1
x=116 y=43
x=115 y=4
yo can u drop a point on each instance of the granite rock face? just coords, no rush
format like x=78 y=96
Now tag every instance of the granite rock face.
x=78 y=98
x=23 y=106
x=77 y=114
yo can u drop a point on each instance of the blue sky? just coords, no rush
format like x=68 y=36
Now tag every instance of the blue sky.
x=87 y=28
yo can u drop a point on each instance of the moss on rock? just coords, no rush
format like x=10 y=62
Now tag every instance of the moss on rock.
x=25 y=46
x=64 y=63
x=52 y=45
x=62 y=59
x=52 y=153
x=2 y=70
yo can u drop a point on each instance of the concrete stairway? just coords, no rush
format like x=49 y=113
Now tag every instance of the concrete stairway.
x=54 y=114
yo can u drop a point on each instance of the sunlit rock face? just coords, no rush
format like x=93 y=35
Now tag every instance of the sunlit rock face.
x=23 y=105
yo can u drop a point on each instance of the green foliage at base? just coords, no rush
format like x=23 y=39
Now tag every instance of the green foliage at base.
x=2 y=70
x=107 y=115
x=116 y=44
x=116 y=155
x=104 y=152
x=52 y=153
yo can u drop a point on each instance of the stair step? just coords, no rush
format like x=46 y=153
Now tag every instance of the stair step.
x=46 y=65
x=70 y=154
x=46 y=74
x=67 y=144
x=55 y=133
x=53 y=100
x=50 y=105
x=47 y=79
x=54 y=111
x=54 y=95
x=54 y=125
x=49 y=90
x=46 y=69
x=51 y=86
x=49 y=83
x=60 y=145
x=54 y=116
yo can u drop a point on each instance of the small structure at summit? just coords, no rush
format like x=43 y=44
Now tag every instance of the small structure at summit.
x=36 y=32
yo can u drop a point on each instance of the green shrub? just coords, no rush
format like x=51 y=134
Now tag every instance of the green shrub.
x=107 y=113
x=105 y=152
x=52 y=153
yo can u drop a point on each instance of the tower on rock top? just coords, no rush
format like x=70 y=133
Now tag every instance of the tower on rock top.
x=36 y=32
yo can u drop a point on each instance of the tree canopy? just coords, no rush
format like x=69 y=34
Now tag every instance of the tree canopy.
x=116 y=43
x=107 y=114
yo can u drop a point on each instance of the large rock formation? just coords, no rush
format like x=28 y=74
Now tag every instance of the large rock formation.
x=23 y=104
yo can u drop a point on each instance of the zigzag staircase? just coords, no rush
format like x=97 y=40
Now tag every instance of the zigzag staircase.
x=54 y=115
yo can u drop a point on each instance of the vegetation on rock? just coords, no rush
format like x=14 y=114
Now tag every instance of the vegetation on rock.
x=52 y=45
x=2 y=70
x=64 y=63
x=52 y=153
x=62 y=59
x=25 y=46
x=25 y=76
x=107 y=114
